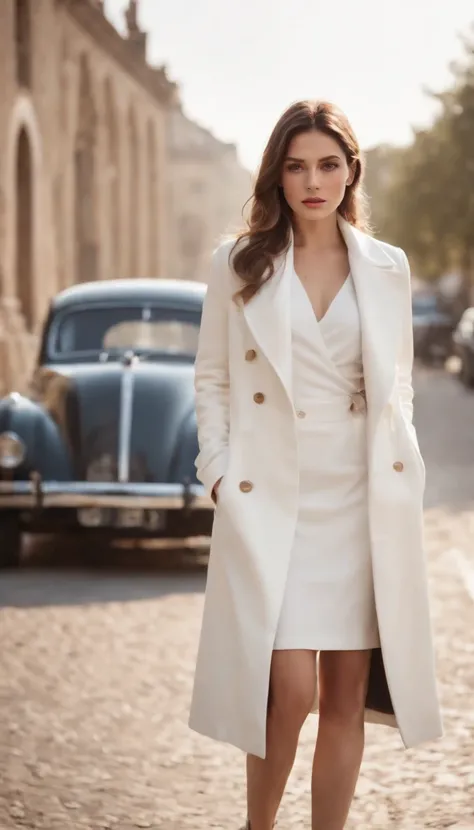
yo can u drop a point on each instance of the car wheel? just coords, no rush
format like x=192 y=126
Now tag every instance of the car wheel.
x=10 y=544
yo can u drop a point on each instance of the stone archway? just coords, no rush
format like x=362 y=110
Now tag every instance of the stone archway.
x=24 y=228
x=133 y=196
x=86 y=259
x=23 y=241
x=152 y=201
x=112 y=181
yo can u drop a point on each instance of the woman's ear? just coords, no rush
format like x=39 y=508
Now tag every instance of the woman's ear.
x=352 y=171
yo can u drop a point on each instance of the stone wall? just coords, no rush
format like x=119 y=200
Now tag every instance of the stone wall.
x=88 y=166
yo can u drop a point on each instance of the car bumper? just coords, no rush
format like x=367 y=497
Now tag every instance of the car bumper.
x=37 y=494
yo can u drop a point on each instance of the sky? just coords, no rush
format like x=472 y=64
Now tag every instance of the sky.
x=240 y=64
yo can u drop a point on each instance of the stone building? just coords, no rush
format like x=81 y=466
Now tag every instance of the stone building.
x=86 y=165
x=208 y=189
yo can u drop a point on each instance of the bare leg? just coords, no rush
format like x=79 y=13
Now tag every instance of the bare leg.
x=292 y=691
x=343 y=678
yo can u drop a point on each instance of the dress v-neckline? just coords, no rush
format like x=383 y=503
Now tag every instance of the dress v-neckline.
x=336 y=295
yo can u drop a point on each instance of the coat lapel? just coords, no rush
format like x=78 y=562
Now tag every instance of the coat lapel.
x=380 y=300
x=268 y=318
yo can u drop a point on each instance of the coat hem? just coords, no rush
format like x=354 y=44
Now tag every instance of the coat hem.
x=371 y=716
x=259 y=751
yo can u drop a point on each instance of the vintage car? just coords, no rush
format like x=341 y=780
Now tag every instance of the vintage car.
x=433 y=326
x=106 y=438
x=464 y=347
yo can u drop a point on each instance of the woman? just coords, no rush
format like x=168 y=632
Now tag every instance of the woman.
x=317 y=592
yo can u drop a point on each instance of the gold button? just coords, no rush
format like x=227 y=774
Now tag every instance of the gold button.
x=301 y=413
x=398 y=466
x=251 y=354
x=259 y=397
x=246 y=486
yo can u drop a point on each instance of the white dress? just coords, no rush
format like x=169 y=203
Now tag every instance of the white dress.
x=329 y=596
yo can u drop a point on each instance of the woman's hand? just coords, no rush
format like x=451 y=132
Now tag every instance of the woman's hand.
x=215 y=490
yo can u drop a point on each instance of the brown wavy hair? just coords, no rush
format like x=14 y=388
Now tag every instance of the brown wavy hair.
x=269 y=223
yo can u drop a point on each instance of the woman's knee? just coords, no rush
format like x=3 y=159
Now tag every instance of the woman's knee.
x=343 y=687
x=292 y=687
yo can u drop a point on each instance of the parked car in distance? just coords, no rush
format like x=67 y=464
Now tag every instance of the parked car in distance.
x=463 y=338
x=432 y=328
x=106 y=439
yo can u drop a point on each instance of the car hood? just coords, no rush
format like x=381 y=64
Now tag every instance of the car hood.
x=120 y=422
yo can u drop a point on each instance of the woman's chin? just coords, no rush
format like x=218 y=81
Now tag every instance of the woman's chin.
x=313 y=214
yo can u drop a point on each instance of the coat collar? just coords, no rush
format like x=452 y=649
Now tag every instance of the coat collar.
x=363 y=247
x=379 y=296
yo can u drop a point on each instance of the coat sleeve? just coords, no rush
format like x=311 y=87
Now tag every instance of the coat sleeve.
x=405 y=367
x=211 y=382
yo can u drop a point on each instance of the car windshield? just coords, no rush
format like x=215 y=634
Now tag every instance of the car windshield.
x=109 y=331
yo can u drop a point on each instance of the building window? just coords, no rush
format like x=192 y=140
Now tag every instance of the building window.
x=23 y=42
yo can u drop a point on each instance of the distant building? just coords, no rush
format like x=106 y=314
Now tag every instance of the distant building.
x=208 y=188
x=87 y=165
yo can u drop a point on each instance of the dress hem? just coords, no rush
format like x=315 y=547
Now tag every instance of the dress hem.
x=288 y=645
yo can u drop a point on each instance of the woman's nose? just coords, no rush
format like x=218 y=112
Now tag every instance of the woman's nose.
x=312 y=181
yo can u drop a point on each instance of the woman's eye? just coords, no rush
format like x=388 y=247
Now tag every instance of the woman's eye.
x=294 y=167
x=330 y=165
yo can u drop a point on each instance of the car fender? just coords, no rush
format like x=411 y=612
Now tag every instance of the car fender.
x=45 y=450
x=187 y=448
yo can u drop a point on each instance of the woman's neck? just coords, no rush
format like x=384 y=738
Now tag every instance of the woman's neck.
x=317 y=236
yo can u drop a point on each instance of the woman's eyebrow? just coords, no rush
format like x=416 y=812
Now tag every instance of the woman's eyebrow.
x=324 y=158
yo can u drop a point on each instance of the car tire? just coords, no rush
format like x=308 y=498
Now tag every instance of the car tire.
x=10 y=542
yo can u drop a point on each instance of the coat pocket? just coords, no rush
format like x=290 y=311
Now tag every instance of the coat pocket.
x=222 y=493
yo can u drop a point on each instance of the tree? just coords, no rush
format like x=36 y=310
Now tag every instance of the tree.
x=428 y=204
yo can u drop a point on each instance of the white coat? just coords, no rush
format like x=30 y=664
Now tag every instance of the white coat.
x=244 y=349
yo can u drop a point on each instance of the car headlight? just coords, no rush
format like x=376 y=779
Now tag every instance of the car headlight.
x=12 y=451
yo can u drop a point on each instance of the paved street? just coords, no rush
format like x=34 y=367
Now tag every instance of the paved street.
x=97 y=667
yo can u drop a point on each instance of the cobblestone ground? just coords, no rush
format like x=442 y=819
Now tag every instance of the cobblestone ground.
x=96 y=677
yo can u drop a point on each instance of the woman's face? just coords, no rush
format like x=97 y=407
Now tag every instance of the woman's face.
x=315 y=175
